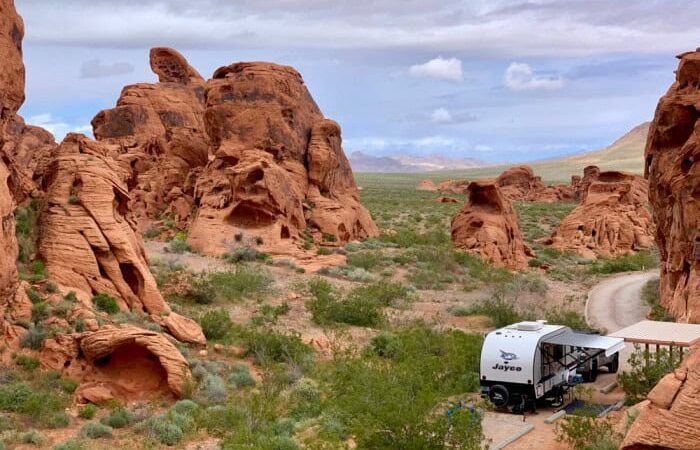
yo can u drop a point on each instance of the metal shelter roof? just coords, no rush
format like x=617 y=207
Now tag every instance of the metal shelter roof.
x=611 y=345
x=660 y=333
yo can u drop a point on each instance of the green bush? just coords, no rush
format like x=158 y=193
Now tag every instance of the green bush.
x=94 y=430
x=241 y=377
x=215 y=323
x=32 y=437
x=57 y=420
x=38 y=271
x=33 y=338
x=385 y=293
x=324 y=251
x=212 y=389
x=651 y=297
x=642 y=377
x=34 y=296
x=329 y=306
x=88 y=411
x=51 y=288
x=304 y=399
x=241 y=254
x=40 y=311
x=268 y=346
x=365 y=260
x=186 y=407
x=568 y=318
x=70 y=444
x=27 y=362
x=40 y=405
x=586 y=432
x=243 y=282
x=71 y=297
x=269 y=314
x=637 y=261
x=26 y=219
x=178 y=246
x=104 y=302
x=501 y=311
x=118 y=418
x=152 y=232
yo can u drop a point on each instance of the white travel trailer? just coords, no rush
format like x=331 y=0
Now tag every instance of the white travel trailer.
x=530 y=361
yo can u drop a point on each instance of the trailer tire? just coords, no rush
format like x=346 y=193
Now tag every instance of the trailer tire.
x=594 y=371
x=614 y=365
x=499 y=395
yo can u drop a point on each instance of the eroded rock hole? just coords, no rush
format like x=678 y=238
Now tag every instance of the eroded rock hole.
x=132 y=277
x=284 y=233
x=133 y=371
x=247 y=215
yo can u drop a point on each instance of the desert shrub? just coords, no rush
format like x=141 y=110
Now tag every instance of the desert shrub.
x=88 y=411
x=365 y=260
x=33 y=338
x=642 y=377
x=241 y=376
x=57 y=420
x=324 y=251
x=651 y=297
x=170 y=428
x=34 y=296
x=408 y=237
x=104 y=302
x=349 y=273
x=26 y=232
x=32 y=437
x=94 y=430
x=241 y=254
x=586 y=432
x=51 y=288
x=390 y=399
x=243 y=282
x=384 y=292
x=501 y=311
x=152 y=232
x=268 y=346
x=269 y=314
x=71 y=297
x=329 y=306
x=326 y=237
x=186 y=407
x=118 y=418
x=27 y=362
x=215 y=323
x=212 y=389
x=304 y=399
x=38 y=404
x=178 y=244
x=637 y=261
x=40 y=311
x=70 y=444
x=481 y=270
x=569 y=318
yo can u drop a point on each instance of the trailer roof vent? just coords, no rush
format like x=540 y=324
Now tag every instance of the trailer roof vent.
x=529 y=326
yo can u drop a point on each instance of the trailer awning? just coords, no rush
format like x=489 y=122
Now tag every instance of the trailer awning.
x=611 y=345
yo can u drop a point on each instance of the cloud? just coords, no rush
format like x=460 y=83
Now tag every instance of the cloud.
x=57 y=127
x=95 y=69
x=519 y=77
x=440 y=68
x=441 y=115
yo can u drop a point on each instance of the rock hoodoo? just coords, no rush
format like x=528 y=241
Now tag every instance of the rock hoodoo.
x=612 y=220
x=669 y=418
x=520 y=183
x=590 y=174
x=277 y=169
x=459 y=187
x=672 y=154
x=488 y=226
x=160 y=131
x=87 y=238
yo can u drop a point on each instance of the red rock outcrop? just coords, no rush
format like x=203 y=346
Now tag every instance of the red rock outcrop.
x=590 y=174
x=672 y=154
x=123 y=362
x=669 y=418
x=160 y=131
x=459 y=187
x=520 y=183
x=87 y=237
x=11 y=98
x=426 y=185
x=612 y=220
x=278 y=170
x=446 y=200
x=488 y=226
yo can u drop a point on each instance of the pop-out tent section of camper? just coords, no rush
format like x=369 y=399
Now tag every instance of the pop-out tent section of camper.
x=610 y=345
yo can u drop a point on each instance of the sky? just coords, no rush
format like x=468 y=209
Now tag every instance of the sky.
x=501 y=81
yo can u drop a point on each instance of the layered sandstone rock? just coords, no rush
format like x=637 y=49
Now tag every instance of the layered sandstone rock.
x=590 y=174
x=278 y=170
x=446 y=200
x=520 y=183
x=87 y=238
x=160 y=131
x=670 y=417
x=123 y=362
x=459 y=187
x=672 y=154
x=11 y=98
x=612 y=220
x=488 y=226
x=426 y=185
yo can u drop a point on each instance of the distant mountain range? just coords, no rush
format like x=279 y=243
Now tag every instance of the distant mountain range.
x=362 y=162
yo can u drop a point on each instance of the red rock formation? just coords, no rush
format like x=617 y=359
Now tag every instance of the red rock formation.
x=459 y=187
x=87 y=238
x=520 y=183
x=277 y=170
x=446 y=200
x=670 y=417
x=488 y=226
x=590 y=174
x=160 y=131
x=426 y=185
x=612 y=220
x=672 y=154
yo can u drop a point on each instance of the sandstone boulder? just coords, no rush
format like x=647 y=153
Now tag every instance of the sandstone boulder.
x=612 y=220
x=446 y=200
x=160 y=131
x=590 y=174
x=459 y=187
x=426 y=185
x=672 y=154
x=488 y=226
x=520 y=183
x=278 y=170
x=87 y=237
x=670 y=419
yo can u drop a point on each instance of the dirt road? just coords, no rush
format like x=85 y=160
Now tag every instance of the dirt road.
x=616 y=302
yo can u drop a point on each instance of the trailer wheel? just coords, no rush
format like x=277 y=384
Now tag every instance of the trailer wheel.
x=499 y=395
x=594 y=371
x=614 y=365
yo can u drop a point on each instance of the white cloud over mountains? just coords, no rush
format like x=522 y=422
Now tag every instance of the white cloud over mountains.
x=520 y=77
x=440 y=68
